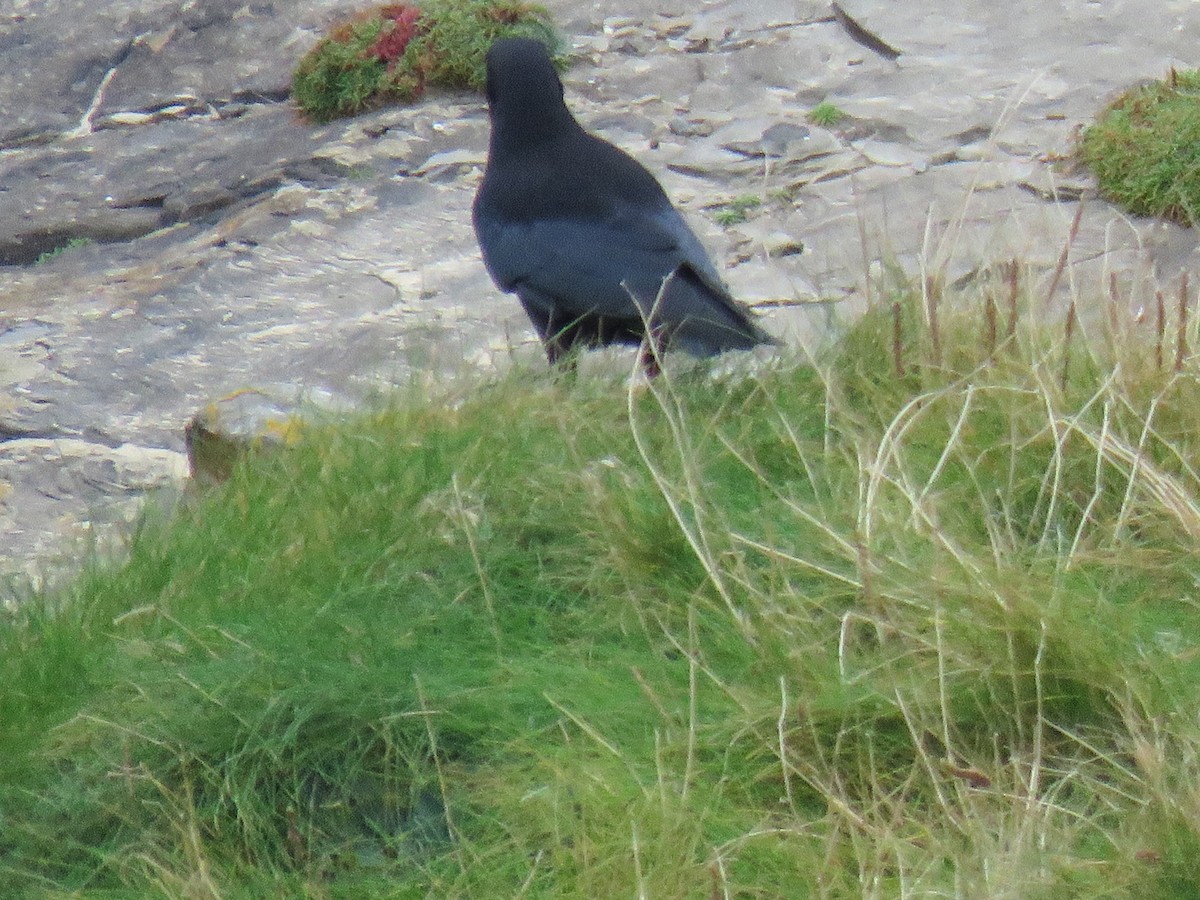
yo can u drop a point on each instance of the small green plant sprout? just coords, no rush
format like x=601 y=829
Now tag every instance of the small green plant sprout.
x=60 y=250
x=736 y=211
x=1144 y=148
x=825 y=114
x=389 y=54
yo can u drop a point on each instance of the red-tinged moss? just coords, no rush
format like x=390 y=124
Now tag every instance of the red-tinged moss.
x=390 y=53
x=401 y=25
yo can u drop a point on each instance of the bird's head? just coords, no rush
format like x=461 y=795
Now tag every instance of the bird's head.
x=525 y=94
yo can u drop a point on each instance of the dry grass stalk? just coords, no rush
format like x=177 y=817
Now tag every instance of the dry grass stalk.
x=989 y=314
x=897 y=339
x=1070 y=332
x=1160 y=329
x=1114 y=319
x=1181 y=341
x=932 y=298
x=1061 y=265
x=1014 y=288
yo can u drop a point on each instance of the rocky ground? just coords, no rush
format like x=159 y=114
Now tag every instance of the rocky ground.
x=208 y=239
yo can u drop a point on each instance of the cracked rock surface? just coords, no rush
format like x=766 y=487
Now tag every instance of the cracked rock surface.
x=197 y=237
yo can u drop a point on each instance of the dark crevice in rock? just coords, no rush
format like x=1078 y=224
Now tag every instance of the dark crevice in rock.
x=863 y=36
x=191 y=104
x=851 y=129
x=197 y=206
x=278 y=95
x=30 y=247
x=225 y=108
x=1056 y=193
x=201 y=205
x=27 y=249
x=232 y=111
x=973 y=135
x=317 y=173
x=233 y=107
x=140 y=214
x=150 y=201
x=32 y=138
x=94 y=435
x=10 y=432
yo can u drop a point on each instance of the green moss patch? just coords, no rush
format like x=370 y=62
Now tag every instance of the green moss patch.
x=1145 y=148
x=825 y=114
x=390 y=54
x=737 y=210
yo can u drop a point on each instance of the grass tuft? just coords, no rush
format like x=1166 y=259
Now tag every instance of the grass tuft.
x=917 y=619
x=825 y=114
x=1145 y=148
x=736 y=211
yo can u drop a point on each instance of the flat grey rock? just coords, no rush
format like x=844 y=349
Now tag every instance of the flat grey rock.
x=64 y=59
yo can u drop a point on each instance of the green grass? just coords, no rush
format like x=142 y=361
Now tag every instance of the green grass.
x=825 y=114
x=391 y=53
x=1145 y=148
x=736 y=211
x=824 y=630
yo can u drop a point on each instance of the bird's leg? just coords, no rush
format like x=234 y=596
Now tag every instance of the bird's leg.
x=651 y=350
x=561 y=356
x=561 y=343
x=648 y=359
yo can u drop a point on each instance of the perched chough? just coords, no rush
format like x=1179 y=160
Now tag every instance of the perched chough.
x=583 y=234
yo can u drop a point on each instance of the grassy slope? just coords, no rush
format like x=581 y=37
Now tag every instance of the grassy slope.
x=821 y=632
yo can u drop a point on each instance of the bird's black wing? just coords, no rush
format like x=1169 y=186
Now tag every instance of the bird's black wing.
x=586 y=266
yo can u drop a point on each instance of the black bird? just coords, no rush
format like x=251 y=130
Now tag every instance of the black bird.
x=583 y=234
